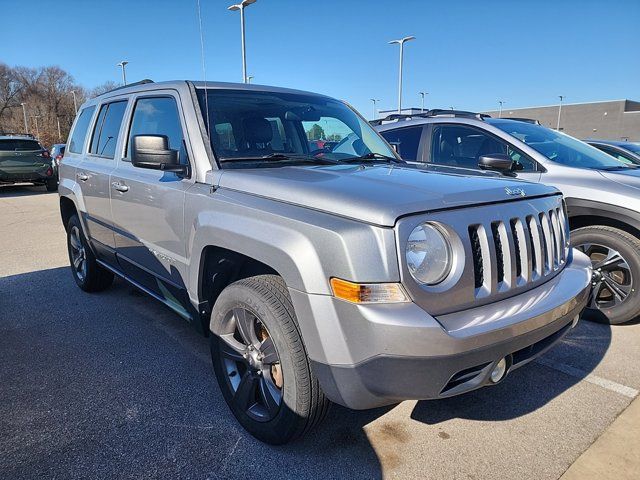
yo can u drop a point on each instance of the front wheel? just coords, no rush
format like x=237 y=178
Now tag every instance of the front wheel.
x=260 y=361
x=615 y=257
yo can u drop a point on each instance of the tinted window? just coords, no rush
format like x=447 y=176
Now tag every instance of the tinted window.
x=105 y=133
x=19 y=145
x=617 y=154
x=80 y=131
x=406 y=141
x=462 y=146
x=158 y=116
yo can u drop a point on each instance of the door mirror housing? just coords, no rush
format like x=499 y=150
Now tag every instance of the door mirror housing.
x=498 y=162
x=153 y=152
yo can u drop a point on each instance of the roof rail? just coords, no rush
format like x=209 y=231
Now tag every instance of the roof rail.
x=16 y=134
x=522 y=119
x=141 y=82
x=436 y=112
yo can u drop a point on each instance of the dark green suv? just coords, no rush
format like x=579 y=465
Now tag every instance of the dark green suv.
x=23 y=159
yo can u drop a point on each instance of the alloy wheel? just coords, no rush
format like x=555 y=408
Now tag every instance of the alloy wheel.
x=252 y=365
x=612 y=282
x=78 y=253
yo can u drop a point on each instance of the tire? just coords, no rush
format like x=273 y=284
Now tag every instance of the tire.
x=275 y=398
x=89 y=276
x=615 y=297
x=51 y=185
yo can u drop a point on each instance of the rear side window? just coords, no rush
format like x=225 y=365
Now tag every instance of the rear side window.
x=76 y=141
x=406 y=141
x=19 y=145
x=105 y=133
x=158 y=116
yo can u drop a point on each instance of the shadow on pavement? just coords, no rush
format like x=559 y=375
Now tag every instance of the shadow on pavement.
x=114 y=384
x=23 y=190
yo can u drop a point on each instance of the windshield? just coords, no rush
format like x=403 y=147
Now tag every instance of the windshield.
x=559 y=147
x=262 y=127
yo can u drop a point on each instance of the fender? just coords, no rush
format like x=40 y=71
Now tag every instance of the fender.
x=577 y=207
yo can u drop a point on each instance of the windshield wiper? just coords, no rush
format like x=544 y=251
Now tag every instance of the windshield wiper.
x=280 y=157
x=374 y=156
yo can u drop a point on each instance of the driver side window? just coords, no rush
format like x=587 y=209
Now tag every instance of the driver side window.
x=462 y=146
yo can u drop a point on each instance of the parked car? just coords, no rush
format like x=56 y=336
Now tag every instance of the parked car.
x=626 y=152
x=24 y=160
x=602 y=195
x=57 y=153
x=348 y=277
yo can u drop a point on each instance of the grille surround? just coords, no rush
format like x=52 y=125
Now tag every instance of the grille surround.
x=512 y=221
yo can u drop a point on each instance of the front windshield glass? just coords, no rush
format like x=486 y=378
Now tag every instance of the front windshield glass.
x=558 y=147
x=258 y=126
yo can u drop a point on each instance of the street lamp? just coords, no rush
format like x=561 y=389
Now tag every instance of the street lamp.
x=422 y=94
x=240 y=6
x=401 y=42
x=501 y=102
x=36 y=117
x=24 y=114
x=375 y=110
x=75 y=104
x=123 y=64
x=249 y=78
x=561 y=97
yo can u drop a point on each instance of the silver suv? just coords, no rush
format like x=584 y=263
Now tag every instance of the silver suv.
x=601 y=193
x=321 y=270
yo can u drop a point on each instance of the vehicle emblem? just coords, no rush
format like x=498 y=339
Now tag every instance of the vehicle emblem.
x=515 y=191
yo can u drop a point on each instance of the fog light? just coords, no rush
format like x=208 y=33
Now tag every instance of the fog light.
x=498 y=371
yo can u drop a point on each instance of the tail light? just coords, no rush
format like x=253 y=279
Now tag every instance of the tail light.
x=58 y=159
x=49 y=172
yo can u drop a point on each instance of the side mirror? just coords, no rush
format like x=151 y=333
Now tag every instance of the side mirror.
x=152 y=151
x=497 y=162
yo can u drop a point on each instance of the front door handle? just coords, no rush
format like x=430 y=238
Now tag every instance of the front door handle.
x=120 y=187
x=82 y=176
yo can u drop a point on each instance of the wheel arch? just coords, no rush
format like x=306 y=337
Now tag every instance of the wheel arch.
x=585 y=213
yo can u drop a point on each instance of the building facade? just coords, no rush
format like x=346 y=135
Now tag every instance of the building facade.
x=607 y=120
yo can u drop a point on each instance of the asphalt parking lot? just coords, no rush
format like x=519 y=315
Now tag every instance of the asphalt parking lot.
x=116 y=385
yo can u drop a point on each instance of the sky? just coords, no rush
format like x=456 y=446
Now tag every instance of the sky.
x=467 y=54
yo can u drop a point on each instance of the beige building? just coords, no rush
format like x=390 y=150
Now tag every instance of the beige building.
x=606 y=120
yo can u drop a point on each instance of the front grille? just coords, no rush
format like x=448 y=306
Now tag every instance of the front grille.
x=524 y=249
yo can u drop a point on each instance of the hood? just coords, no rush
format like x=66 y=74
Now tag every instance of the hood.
x=376 y=194
x=628 y=178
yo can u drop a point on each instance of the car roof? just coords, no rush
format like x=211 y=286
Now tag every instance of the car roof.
x=615 y=143
x=148 y=85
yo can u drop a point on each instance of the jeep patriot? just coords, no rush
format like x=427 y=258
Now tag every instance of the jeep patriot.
x=321 y=271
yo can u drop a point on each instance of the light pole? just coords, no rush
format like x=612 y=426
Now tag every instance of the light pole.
x=240 y=6
x=422 y=94
x=24 y=114
x=401 y=42
x=36 y=117
x=123 y=64
x=375 y=110
x=501 y=102
x=561 y=97
x=249 y=78
x=75 y=104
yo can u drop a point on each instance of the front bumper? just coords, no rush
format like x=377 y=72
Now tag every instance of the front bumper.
x=374 y=355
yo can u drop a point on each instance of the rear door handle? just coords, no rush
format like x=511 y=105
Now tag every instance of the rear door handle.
x=82 y=176
x=120 y=187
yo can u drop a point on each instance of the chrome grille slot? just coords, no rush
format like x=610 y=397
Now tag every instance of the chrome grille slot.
x=497 y=241
x=547 y=241
x=522 y=251
x=537 y=248
x=557 y=237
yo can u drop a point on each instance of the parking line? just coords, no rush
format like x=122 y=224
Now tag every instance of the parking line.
x=588 y=377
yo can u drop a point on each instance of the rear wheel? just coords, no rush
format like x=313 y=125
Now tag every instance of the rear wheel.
x=89 y=276
x=615 y=257
x=260 y=361
x=51 y=185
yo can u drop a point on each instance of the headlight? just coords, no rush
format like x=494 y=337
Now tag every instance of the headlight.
x=428 y=254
